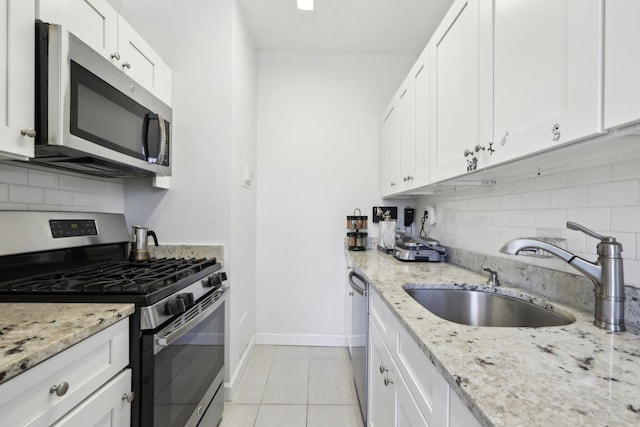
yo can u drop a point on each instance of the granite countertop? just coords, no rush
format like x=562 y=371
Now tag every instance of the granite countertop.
x=564 y=375
x=33 y=332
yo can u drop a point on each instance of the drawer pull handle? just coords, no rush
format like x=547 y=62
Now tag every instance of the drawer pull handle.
x=60 y=389
x=129 y=396
x=387 y=381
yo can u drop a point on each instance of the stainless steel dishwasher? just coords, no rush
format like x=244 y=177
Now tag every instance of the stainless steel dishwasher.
x=357 y=332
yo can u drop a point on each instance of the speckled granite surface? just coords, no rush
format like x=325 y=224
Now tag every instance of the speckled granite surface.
x=188 y=251
x=33 y=332
x=557 y=376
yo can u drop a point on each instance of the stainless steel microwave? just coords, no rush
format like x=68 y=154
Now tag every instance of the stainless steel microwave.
x=91 y=117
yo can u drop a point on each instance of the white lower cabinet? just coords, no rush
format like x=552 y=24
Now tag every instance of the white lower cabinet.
x=390 y=402
x=84 y=385
x=405 y=388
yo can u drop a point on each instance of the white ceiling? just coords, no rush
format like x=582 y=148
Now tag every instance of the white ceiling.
x=353 y=26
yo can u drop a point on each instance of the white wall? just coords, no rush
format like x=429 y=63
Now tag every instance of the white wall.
x=604 y=198
x=214 y=135
x=23 y=188
x=318 y=159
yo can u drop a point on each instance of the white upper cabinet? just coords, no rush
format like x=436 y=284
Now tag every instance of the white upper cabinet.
x=546 y=75
x=454 y=90
x=97 y=24
x=16 y=78
x=390 y=150
x=418 y=164
x=621 y=65
x=405 y=133
x=142 y=63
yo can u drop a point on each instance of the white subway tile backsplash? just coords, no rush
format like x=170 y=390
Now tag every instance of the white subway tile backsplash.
x=551 y=218
x=571 y=197
x=23 y=194
x=42 y=179
x=547 y=182
x=593 y=218
x=523 y=218
x=625 y=219
x=510 y=201
x=58 y=197
x=72 y=183
x=26 y=188
x=536 y=200
x=628 y=169
x=10 y=174
x=589 y=176
x=619 y=193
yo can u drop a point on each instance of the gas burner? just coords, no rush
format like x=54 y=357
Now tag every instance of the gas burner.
x=112 y=277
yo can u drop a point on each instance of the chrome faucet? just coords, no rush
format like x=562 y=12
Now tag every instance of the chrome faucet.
x=606 y=273
x=493 y=279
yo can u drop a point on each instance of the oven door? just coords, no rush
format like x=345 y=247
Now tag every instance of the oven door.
x=182 y=367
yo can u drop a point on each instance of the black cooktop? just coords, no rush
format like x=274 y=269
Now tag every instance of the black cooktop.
x=112 y=281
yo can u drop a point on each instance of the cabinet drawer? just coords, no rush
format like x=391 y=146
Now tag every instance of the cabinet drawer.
x=27 y=399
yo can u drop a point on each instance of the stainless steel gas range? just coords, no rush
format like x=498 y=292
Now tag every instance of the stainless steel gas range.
x=177 y=330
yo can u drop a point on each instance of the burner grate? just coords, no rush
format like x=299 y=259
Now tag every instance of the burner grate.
x=112 y=277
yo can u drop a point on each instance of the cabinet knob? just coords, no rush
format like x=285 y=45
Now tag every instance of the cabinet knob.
x=129 y=396
x=468 y=152
x=383 y=369
x=393 y=184
x=59 y=389
x=555 y=130
x=387 y=381
x=126 y=65
x=115 y=56
x=30 y=132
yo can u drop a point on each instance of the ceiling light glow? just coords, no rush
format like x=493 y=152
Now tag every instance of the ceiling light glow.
x=305 y=4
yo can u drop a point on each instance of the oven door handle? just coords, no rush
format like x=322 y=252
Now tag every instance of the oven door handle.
x=162 y=341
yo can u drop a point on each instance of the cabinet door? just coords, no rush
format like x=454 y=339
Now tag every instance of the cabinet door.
x=107 y=407
x=93 y=21
x=381 y=395
x=407 y=147
x=547 y=74
x=16 y=78
x=454 y=90
x=142 y=63
x=621 y=65
x=390 y=150
x=420 y=74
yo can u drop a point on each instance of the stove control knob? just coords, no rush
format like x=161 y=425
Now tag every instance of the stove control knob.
x=188 y=299
x=175 y=306
x=216 y=280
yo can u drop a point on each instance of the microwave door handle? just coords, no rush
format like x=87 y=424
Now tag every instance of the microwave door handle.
x=163 y=140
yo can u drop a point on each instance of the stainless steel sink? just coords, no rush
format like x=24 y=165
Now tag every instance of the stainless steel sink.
x=478 y=308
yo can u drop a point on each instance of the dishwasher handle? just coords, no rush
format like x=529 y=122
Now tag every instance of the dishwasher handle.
x=362 y=290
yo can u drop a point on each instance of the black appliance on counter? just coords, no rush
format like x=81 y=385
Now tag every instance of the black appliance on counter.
x=177 y=331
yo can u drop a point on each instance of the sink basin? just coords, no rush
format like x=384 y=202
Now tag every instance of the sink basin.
x=476 y=308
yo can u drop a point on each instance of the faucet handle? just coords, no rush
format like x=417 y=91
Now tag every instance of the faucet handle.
x=585 y=230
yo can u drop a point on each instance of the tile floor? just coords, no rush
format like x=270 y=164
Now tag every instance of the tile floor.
x=288 y=386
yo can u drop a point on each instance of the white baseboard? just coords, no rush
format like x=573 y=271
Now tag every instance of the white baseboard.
x=231 y=387
x=302 y=339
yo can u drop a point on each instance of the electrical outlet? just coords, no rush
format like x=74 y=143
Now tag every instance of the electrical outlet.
x=430 y=215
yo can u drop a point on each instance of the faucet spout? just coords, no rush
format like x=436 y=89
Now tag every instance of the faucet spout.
x=606 y=273
x=592 y=270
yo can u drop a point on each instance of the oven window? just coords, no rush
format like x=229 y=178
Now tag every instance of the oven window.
x=104 y=115
x=185 y=370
